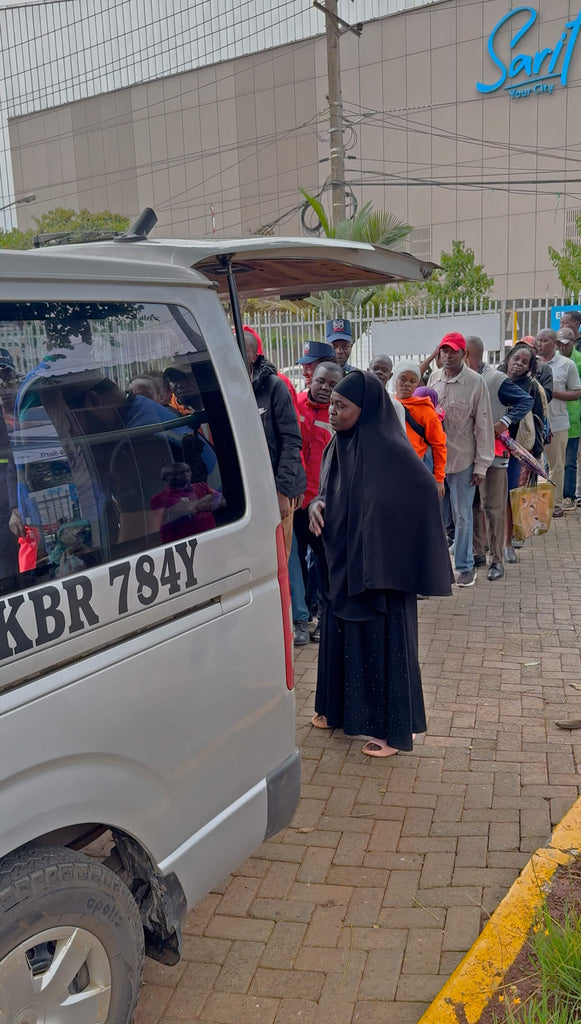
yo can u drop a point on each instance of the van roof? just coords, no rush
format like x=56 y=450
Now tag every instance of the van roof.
x=263 y=266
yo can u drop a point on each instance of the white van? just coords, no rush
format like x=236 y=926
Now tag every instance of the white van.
x=146 y=683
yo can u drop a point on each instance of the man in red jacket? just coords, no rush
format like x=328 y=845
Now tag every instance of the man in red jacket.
x=316 y=433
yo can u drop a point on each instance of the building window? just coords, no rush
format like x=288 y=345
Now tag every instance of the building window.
x=419 y=243
x=571 y=217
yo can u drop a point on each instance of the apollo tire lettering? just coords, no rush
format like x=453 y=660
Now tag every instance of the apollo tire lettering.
x=65 y=608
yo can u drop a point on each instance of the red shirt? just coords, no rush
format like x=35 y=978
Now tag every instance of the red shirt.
x=185 y=525
x=316 y=432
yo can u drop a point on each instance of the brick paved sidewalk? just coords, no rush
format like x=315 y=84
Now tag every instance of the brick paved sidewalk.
x=363 y=908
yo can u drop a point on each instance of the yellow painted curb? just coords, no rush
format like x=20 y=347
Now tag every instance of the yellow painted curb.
x=480 y=974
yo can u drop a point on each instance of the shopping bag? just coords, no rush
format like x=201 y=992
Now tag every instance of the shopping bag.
x=28 y=549
x=532 y=508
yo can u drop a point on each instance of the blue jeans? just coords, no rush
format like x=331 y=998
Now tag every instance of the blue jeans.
x=461 y=501
x=297 y=585
x=571 y=468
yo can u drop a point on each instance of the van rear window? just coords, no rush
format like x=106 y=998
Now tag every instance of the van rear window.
x=114 y=436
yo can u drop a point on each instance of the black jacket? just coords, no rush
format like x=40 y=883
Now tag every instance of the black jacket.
x=281 y=427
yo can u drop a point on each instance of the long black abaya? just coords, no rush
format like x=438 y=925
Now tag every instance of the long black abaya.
x=383 y=543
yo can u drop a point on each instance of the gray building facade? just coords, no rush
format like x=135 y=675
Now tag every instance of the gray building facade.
x=463 y=118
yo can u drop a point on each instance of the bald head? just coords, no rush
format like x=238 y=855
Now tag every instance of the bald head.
x=474 y=352
x=545 y=344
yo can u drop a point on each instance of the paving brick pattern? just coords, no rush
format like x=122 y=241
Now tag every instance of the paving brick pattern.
x=362 y=909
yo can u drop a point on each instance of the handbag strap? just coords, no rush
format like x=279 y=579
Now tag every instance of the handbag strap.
x=414 y=424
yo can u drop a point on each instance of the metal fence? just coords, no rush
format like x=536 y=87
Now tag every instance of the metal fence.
x=284 y=333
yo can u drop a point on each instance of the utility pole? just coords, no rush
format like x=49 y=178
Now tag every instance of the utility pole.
x=335 y=112
x=334 y=26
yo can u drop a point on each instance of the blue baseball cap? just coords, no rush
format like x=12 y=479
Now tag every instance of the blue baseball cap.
x=338 y=330
x=316 y=350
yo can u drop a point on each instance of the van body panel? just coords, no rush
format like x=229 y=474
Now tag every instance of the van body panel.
x=155 y=743
x=155 y=719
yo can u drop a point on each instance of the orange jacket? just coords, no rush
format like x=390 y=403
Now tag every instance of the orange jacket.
x=424 y=413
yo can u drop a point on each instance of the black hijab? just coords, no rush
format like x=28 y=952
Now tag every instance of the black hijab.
x=383 y=527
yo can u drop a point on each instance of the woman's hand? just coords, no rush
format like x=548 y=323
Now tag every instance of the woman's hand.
x=441 y=488
x=316 y=518
x=15 y=524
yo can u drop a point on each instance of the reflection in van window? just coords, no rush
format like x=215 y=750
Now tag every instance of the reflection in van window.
x=114 y=437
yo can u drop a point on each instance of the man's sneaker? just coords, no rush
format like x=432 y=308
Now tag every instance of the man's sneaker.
x=466 y=579
x=578 y=502
x=568 y=504
x=316 y=634
x=302 y=635
x=479 y=560
x=558 y=512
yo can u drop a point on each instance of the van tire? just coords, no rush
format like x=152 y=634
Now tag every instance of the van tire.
x=44 y=890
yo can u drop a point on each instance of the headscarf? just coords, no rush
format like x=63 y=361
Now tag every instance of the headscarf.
x=405 y=366
x=425 y=392
x=383 y=528
x=432 y=394
x=352 y=387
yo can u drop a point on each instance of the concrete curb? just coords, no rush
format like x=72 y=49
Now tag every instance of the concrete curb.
x=480 y=974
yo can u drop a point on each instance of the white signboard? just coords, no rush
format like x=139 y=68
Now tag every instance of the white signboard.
x=419 y=336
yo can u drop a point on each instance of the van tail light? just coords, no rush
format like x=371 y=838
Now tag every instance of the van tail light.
x=285 y=600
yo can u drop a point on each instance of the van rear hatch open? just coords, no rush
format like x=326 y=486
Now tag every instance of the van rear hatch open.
x=294 y=267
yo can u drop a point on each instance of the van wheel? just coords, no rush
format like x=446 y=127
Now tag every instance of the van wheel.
x=71 y=940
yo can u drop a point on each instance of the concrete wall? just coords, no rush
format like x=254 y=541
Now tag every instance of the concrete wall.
x=242 y=136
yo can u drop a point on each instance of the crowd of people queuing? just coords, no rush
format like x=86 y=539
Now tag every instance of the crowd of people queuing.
x=416 y=451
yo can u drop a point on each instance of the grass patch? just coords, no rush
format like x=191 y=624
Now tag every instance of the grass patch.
x=549 y=989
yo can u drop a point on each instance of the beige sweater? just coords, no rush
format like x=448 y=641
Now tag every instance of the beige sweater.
x=468 y=421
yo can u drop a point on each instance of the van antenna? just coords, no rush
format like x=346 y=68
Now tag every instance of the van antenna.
x=139 y=230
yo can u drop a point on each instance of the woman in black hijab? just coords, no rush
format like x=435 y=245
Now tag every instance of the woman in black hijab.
x=379 y=518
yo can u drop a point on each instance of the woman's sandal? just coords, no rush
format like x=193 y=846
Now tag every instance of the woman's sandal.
x=320 y=722
x=379 y=748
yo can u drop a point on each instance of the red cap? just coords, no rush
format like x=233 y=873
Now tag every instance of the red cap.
x=454 y=340
x=528 y=340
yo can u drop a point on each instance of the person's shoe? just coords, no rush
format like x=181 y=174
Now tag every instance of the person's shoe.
x=510 y=555
x=558 y=512
x=302 y=635
x=496 y=571
x=466 y=579
x=568 y=504
x=578 y=502
x=479 y=560
x=316 y=634
x=518 y=543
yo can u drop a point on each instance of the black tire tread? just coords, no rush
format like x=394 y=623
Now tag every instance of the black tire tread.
x=33 y=869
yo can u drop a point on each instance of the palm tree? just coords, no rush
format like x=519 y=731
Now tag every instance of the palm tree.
x=378 y=227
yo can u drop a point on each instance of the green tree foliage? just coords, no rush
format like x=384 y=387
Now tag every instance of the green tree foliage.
x=62 y=219
x=377 y=227
x=461 y=280
x=461 y=283
x=567 y=263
